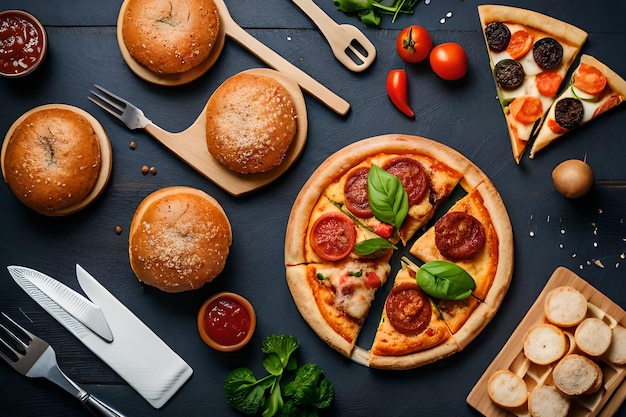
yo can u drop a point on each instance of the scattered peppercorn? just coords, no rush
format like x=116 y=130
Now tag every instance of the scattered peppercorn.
x=133 y=145
x=145 y=170
x=118 y=229
x=153 y=170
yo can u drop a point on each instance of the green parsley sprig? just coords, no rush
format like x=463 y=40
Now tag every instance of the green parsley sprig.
x=288 y=390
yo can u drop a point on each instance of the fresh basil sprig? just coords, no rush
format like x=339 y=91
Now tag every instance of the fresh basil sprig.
x=369 y=246
x=387 y=197
x=445 y=280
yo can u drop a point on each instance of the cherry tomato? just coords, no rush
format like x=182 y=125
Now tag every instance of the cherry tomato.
x=449 y=61
x=397 y=90
x=414 y=44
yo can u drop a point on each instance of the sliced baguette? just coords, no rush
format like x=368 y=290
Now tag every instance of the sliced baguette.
x=507 y=389
x=617 y=351
x=547 y=401
x=593 y=336
x=545 y=343
x=576 y=375
x=565 y=306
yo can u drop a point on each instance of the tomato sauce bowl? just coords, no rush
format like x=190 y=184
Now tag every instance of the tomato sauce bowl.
x=226 y=321
x=23 y=43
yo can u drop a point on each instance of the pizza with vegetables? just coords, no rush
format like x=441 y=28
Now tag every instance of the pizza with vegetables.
x=347 y=226
x=593 y=89
x=530 y=54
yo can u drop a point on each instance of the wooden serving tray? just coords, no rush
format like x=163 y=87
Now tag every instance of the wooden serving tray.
x=603 y=403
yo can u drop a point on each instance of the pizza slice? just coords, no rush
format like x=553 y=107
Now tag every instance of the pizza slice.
x=426 y=180
x=468 y=236
x=593 y=89
x=335 y=298
x=530 y=54
x=411 y=331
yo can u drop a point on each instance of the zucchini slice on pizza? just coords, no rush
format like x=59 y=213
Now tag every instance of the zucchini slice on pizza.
x=530 y=54
x=593 y=89
x=426 y=180
x=335 y=298
x=411 y=331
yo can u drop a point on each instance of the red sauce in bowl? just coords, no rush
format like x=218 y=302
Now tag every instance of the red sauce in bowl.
x=226 y=321
x=23 y=43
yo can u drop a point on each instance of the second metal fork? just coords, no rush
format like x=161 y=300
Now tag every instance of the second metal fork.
x=35 y=358
x=119 y=108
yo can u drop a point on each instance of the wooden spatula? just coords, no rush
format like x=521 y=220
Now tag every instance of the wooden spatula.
x=349 y=45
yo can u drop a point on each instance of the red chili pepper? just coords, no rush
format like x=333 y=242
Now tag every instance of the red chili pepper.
x=397 y=90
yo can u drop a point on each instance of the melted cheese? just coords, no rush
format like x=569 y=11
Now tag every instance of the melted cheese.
x=352 y=294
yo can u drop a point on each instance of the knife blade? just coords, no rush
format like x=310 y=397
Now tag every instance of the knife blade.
x=136 y=354
x=69 y=300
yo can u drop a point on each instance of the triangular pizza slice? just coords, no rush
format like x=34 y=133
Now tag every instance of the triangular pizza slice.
x=335 y=298
x=593 y=89
x=530 y=54
x=466 y=235
x=411 y=331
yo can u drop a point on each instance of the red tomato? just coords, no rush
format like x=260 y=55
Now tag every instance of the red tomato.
x=449 y=61
x=413 y=44
x=333 y=236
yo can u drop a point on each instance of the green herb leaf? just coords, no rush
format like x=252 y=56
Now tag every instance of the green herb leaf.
x=369 y=246
x=387 y=197
x=445 y=280
x=370 y=10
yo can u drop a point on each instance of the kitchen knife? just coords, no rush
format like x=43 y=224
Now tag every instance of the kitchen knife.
x=138 y=355
x=72 y=302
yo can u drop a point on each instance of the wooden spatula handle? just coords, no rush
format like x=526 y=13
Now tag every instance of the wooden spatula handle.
x=274 y=60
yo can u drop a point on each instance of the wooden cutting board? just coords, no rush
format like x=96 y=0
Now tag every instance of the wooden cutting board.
x=603 y=403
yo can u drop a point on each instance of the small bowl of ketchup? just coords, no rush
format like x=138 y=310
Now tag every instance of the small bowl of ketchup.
x=226 y=321
x=23 y=43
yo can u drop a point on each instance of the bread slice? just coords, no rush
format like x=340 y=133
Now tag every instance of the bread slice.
x=545 y=343
x=547 y=401
x=565 y=306
x=507 y=389
x=576 y=375
x=593 y=336
x=617 y=351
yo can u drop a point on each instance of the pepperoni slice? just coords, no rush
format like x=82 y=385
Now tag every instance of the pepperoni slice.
x=333 y=236
x=408 y=309
x=459 y=235
x=413 y=177
x=355 y=190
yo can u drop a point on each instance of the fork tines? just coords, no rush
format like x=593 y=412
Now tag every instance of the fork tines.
x=108 y=101
x=14 y=345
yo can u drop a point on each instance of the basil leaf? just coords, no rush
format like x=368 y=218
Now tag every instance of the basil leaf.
x=445 y=280
x=369 y=246
x=387 y=197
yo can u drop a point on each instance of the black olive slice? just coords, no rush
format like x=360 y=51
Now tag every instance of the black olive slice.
x=498 y=36
x=509 y=74
x=547 y=52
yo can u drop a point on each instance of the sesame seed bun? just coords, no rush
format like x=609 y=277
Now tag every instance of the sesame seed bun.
x=250 y=123
x=170 y=37
x=179 y=239
x=52 y=160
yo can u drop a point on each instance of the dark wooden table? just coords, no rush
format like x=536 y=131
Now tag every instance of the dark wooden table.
x=464 y=115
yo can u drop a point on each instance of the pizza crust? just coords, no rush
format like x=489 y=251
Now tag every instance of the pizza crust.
x=565 y=32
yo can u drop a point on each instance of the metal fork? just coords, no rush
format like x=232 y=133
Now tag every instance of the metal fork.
x=36 y=359
x=119 y=108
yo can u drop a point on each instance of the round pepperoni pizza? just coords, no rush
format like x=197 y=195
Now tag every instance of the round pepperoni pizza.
x=352 y=218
